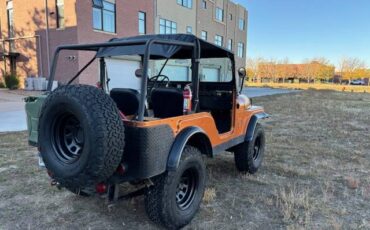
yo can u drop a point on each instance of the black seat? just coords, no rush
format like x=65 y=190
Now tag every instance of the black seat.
x=167 y=102
x=127 y=100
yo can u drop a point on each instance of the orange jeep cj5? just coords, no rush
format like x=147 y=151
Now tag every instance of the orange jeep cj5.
x=152 y=128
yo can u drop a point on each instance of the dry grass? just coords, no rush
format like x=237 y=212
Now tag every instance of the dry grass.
x=294 y=202
x=209 y=195
x=315 y=175
x=318 y=86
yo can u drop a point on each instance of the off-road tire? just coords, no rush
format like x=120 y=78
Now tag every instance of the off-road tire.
x=161 y=202
x=245 y=156
x=89 y=119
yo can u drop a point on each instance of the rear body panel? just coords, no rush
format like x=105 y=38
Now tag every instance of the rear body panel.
x=206 y=122
x=146 y=151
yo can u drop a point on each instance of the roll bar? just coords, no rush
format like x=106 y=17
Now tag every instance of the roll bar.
x=148 y=44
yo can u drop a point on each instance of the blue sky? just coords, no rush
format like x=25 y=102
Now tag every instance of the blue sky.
x=299 y=29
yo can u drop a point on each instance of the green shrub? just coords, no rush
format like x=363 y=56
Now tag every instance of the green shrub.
x=11 y=81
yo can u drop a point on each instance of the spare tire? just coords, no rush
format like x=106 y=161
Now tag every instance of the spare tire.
x=81 y=136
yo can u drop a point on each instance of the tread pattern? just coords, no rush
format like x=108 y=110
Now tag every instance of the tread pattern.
x=157 y=201
x=107 y=138
x=243 y=154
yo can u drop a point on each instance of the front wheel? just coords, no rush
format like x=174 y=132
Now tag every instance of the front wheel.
x=175 y=197
x=249 y=154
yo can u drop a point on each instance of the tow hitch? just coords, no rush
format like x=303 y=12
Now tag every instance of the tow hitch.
x=113 y=192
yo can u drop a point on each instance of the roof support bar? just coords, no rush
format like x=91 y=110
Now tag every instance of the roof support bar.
x=148 y=43
x=144 y=78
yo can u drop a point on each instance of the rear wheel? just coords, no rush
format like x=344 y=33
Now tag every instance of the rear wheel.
x=175 y=197
x=249 y=154
x=81 y=136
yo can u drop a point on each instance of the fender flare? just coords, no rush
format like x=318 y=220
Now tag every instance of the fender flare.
x=179 y=144
x=253 y=123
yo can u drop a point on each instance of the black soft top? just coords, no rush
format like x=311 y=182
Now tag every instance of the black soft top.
x=160 y=51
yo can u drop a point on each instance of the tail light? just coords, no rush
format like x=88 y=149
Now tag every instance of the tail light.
x=101 y=188
x=121 y=169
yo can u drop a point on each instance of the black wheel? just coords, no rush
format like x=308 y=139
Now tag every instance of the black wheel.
x=175 y=197
x=81 y=136
x=249 y=154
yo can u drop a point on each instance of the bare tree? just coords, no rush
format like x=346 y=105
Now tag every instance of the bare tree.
x=253 y=65
x=323 y=68
x=271 y=69
x=307 y=72
x=349 y=66
x=321 y=60
x=282 y=70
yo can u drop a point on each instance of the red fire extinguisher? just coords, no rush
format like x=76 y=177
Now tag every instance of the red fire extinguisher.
x=187 y=99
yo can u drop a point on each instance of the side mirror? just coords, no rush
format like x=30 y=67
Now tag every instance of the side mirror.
x=242 y=74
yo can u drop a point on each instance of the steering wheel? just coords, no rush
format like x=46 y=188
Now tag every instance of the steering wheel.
x=157 y=80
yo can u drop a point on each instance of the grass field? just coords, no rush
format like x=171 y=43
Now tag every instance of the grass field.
x=318 y=86
x=315 y=175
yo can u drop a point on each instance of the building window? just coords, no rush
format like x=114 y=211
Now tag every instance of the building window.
x=219 y=14
x=204 y=35
x=241 y=24
x=230 y=44
x=189 y=30
x=10 y=17
x=204 y=4
x=104 y=15
x=60 y=13
x=230 y=17
x=167 y=26
x=185 y=3
x=219 y=40
x=240 y=49
x=142 y=22
x=9 y=10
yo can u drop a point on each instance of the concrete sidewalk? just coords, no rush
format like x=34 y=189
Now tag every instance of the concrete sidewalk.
x=12 y=112
x=259 y=92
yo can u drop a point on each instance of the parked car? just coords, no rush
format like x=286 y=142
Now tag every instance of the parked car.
x=92 y=139
x=357 y=82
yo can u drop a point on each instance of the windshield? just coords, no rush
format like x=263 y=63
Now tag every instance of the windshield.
x=179 y=70
x=215 y=70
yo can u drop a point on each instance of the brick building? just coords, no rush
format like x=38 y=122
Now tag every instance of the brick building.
x=224 y=23
x=30 y=32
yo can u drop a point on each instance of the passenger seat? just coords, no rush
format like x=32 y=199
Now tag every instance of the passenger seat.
x=167 y=102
